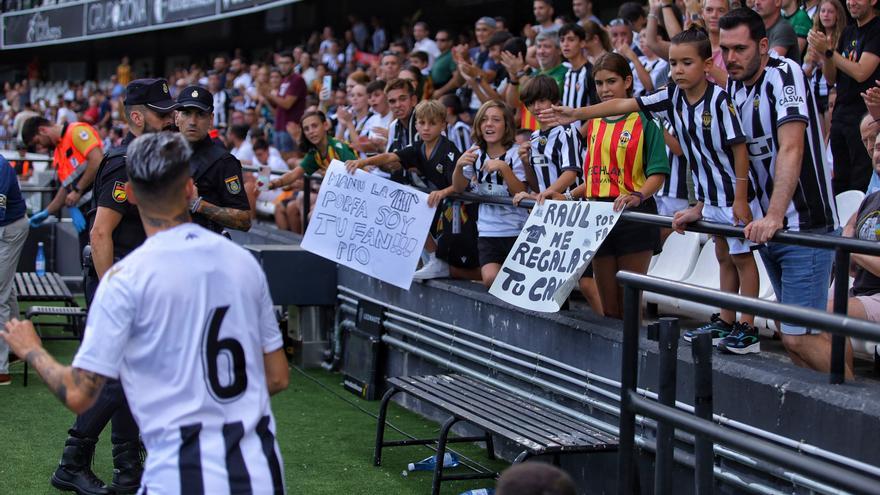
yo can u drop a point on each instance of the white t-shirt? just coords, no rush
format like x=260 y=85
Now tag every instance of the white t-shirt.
x=187 y=335
x=428 y=46
x=497 y=220
x=244 y=153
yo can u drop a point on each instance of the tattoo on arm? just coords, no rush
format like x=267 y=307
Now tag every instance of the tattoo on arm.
x=227 y=217
x=63 y=380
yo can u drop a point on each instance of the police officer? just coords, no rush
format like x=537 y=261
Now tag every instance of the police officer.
x=116 y=231
x=221 y=201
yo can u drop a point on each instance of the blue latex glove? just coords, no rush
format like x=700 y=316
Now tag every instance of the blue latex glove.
x=38 y=218
x=79 y=221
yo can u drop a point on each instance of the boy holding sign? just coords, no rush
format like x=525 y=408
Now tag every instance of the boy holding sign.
x=433 y=158
x=713 y=141
x=553 y=157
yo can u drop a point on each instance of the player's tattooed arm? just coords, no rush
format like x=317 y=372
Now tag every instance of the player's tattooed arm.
x=75 y=388
x=227 y=217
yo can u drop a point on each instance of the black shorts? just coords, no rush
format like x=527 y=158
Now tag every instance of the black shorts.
x=631 y=237
x=457 y=249
x=494 y=249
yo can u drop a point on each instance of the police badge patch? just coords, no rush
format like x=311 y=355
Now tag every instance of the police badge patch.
x=233 y=185
x=119 y=192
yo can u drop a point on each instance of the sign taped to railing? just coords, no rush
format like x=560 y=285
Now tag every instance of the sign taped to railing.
x=551 y=253
x=369 y=224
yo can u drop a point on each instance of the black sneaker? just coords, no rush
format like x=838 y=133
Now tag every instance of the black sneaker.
x=716 y=326
x=743 y=340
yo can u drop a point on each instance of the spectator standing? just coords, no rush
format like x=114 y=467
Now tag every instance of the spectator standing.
x=222 y=101
x=123 y=72
x=289 y=103
x=379 y=38
x=424 y=43
x=457 y=131
x=791 y=177
x=544 y=18
x=444 y=66
x=360 y=32
x=306 y=70
x=583 y=10
x=800 y=21
x=579 y=89
x=830 y=20
x=14 y=228
x=852 y=68
x=780 y=34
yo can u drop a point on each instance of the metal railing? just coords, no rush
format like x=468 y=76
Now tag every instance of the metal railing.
x=701 y=424
x=842 y=246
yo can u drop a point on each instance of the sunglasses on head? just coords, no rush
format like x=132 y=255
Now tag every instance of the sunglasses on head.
x=619 y=22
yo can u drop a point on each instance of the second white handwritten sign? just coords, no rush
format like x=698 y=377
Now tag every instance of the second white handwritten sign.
x=557 y=242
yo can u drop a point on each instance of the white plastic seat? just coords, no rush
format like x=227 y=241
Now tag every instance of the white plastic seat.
x=675 y=262
x=706 y=274
x=848 y=204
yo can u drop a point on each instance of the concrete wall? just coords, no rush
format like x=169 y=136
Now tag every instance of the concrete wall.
x=763 y=390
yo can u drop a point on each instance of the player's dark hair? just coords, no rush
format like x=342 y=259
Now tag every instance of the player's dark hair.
x=573 y=29
x=31 y=127
x=744 y=17
x=157 y=166
x=697 y=36
x=538 y=88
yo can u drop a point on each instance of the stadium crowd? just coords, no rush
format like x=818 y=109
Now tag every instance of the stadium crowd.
x=753 y=114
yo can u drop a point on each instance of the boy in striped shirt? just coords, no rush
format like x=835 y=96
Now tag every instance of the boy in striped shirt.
x=713 y=141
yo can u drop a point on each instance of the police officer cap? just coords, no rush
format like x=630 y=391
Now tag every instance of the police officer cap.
x=196 y=97
x=152 y=93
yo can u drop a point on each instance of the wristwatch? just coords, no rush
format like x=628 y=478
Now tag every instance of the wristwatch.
x=829 y=53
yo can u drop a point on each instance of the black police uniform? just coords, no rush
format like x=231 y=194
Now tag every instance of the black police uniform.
x=216 y=173
x=74 y=471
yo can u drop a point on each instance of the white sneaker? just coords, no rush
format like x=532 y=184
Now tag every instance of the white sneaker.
x=436 y=268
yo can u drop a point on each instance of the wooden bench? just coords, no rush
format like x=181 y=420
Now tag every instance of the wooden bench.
x=536 y=429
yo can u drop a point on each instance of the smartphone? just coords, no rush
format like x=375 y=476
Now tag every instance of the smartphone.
x=263 y=177
x=326 y=87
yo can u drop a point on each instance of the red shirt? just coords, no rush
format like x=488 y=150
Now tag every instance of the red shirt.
x=294 y=85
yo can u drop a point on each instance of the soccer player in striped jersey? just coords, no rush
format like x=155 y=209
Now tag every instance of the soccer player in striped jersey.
x=712 y=139
x=625 y=163
x=194 y=342
x=493 y=167
x=457 y=130
x=792 y=179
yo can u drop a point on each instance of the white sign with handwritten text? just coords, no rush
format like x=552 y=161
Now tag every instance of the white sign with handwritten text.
x=551 y=253
x=369 y=224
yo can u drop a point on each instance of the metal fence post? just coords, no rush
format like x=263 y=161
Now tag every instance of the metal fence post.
x=307 y=201
x=841 y=299
x=629 y=375
x=701 y=350
x=668 y=365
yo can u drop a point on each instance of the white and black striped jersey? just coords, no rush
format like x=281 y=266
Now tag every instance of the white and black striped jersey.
x=675 y=186
x=579 y=89
x=222 y=105
x=187 y=336
x=459 y=134
x=707 y=131
x=657 y=68
x=555 y=151
x=782 y=94
x=360 y=126
x=400 y=136
x=498 y=220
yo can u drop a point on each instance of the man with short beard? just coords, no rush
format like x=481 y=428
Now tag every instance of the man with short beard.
x=791 y=177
